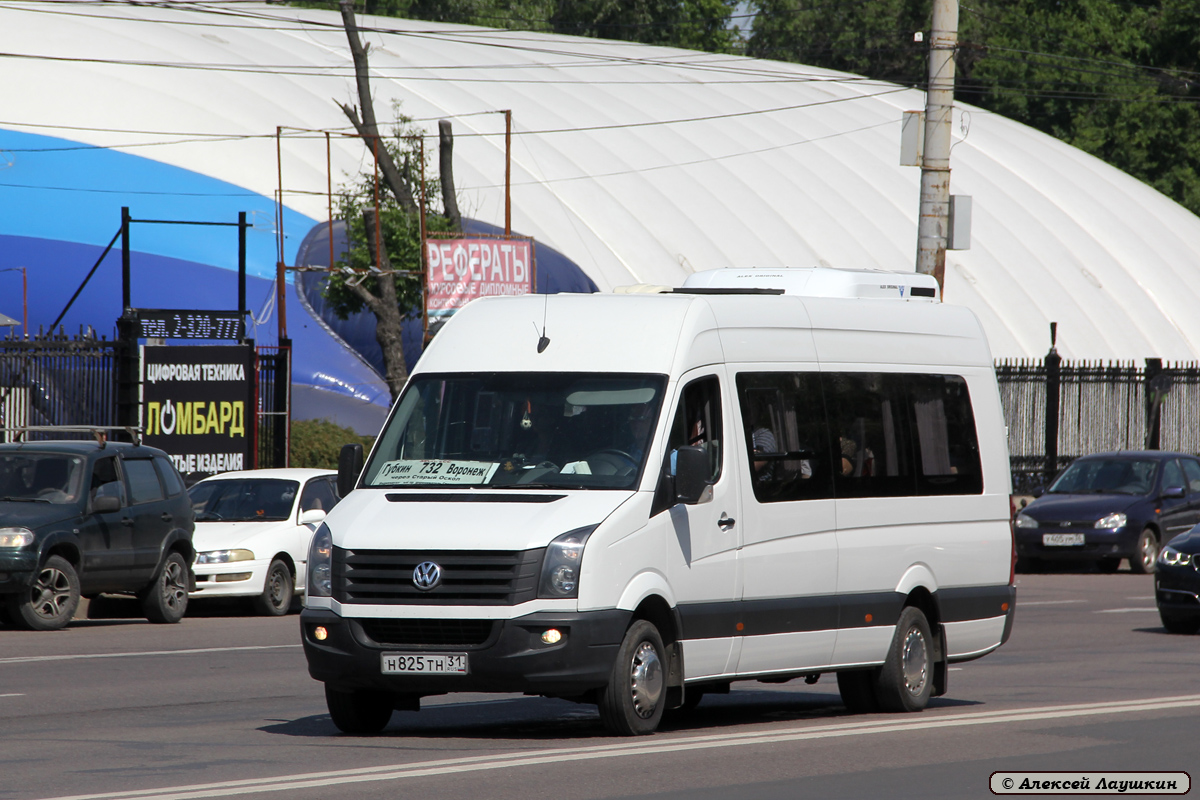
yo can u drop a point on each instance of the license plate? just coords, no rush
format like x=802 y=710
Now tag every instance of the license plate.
x=424 y=663
x=1060 y=539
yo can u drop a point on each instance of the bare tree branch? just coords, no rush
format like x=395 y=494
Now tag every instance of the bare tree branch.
x=446 y=170
x=367 y=127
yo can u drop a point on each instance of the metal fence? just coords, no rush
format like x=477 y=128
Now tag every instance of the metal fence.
x=61 y=380
x=1100 y=406
x=57 y=380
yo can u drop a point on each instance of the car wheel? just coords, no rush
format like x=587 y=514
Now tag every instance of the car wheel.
x=1179 y=623
x=165 y=599
x=857 y=688
x=360 y=713
x=905 y=681
x=632 y=702
x=50 y=603
x=1145 y=555
x=276 y=597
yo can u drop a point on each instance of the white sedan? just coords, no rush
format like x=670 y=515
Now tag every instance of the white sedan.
x=252 y=534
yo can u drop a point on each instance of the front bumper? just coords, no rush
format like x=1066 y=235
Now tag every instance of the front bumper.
x=1097 y=543
x=511 y=657
x=1177 y=588
x=17 y=570
x=238 y=579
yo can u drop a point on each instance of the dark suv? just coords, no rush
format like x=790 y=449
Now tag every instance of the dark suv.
x=78 y=518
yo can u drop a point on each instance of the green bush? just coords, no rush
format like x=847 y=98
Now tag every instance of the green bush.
x=317 y=442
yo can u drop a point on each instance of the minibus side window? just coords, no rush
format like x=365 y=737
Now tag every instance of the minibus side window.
x=947 y=447
x=697 y=422
x=787 y=439
x=869 y=417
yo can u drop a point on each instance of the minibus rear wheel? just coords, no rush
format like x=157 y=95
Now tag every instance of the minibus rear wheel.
x=632 y=702
x=906 y=679
x=358 y=712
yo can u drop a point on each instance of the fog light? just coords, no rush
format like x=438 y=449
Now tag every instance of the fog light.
x=552 y=636
x=320 y=634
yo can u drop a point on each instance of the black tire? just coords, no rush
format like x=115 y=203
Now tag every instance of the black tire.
x=165 y=599
x=276 y=597
x=905 y=681
x=360 y=713
x=1144 y=557
x=857 y=688
x=1108 y=565
x=1179 y=623
x=632 y=702
x=50 y=603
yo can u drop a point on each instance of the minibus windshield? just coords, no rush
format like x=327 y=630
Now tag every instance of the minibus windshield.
x=531 y=430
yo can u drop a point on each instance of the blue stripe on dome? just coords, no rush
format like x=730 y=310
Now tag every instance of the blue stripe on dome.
x=67 y=191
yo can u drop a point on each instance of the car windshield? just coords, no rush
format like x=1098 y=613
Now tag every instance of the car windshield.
x=243 y=499
x=532 y=430
x=27 y=477
x=1107 y=476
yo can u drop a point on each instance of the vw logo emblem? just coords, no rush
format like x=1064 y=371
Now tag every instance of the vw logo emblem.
x=427 y=575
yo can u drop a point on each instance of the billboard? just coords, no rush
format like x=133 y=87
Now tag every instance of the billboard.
x=460 y=270
x=197 y=404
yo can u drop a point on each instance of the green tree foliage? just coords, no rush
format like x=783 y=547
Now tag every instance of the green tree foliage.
x=316 y=443
x=1116 y=78
x=399 y=231
x=867 y=38
x=692 y=24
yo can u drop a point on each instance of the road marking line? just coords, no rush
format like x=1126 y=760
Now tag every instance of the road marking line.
x=592 y=752
x=1123 y=610
x=1048 y=602
x=12 y=694
x=83 y=656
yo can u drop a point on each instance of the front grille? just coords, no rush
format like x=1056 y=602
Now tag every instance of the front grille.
x=471 y=578
x=447 y=632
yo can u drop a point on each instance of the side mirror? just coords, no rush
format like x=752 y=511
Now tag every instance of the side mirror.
x=1173 y=491
x=106 y=504
x=312 y=516
x=350 y=464
x=692 y=470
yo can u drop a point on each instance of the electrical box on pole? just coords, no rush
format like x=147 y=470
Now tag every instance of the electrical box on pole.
x=912 y=138
x=958 y=236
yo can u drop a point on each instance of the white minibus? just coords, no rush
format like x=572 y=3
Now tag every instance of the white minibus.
x=635 y=498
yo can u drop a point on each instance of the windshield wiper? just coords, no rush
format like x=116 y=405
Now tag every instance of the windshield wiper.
x=24 y=499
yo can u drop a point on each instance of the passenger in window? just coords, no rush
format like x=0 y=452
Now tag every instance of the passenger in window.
x=762 y=441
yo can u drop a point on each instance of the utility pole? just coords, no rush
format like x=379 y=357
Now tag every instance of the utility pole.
x=934 y=222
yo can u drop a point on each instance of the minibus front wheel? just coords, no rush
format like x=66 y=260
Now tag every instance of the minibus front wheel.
x=632 y=703
x=362 y=713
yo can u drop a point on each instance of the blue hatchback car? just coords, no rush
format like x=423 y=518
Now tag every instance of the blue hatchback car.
x=1109 y=506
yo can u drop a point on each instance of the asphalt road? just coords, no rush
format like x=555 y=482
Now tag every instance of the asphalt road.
x=222 y=706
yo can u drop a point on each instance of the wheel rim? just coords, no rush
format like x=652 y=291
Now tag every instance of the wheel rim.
x=1149 y=551
x=174 y=586
x=51 y=595
x=646 y=680
x=915 y=661
x=275 y=587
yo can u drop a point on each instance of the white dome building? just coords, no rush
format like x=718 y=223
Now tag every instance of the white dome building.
x=641 y=164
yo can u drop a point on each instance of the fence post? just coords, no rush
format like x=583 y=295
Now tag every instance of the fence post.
x=1157 y=385
x=282 y=409
x=127 y=380
x=1053 y=382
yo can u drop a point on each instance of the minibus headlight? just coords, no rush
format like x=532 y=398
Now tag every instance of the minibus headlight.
x=15 y=537
x=560 y=566
x=1026 y=521
x=1172 y=557
x=1114 y=520
x=320 y=563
